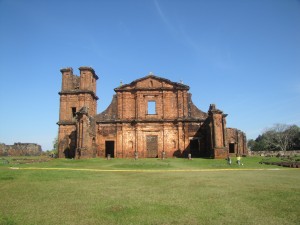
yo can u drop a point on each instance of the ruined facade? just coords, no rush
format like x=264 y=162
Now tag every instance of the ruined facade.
x=150 y=117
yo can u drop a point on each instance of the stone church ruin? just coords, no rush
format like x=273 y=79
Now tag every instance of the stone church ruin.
x=150 y=117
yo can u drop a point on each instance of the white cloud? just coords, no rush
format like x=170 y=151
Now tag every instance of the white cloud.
x=162 y=15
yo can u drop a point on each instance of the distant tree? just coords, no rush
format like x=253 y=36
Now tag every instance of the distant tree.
x=250 y=144
x=259 y=144
x=281 y=136
x=55 y=145
x=296 y=138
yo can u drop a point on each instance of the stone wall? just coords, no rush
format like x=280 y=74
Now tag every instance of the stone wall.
x=20 y=149
x=77 y=92
x=274 y=153
x=236 y=141
x=128 y=126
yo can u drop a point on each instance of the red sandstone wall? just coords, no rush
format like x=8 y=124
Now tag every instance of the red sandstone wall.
x=130 y=127
x=130 y=138
x=77 y=92
x=238 y=138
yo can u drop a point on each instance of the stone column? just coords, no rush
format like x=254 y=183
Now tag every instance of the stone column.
x=218 y=131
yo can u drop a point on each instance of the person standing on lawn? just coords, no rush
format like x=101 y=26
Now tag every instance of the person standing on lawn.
x=238 y=159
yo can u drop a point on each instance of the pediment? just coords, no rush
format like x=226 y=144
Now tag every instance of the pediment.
x=151 y=82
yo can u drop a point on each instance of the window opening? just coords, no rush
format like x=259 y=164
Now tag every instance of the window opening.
x=73 y=111
x=151 y=107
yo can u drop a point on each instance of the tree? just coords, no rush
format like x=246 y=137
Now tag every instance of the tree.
x=259 y=144
x=281 y=136
x=55 y=145
x=251 y=144
x=296 y=139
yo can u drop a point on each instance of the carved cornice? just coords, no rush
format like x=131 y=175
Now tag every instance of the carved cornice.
x=182 y=120
x=150 y=89
x=66 y=122
x=77 y=92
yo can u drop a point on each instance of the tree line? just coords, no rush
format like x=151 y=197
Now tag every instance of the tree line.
x=280 y=137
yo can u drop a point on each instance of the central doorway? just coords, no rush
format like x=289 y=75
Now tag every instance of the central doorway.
x=231 y=147
x=110 y=148
x=194 y=147
x=152 y=146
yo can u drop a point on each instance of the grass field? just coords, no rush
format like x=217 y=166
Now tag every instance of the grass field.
x=147 y=191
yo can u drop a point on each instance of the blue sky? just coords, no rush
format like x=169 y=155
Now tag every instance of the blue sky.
x=244 y=56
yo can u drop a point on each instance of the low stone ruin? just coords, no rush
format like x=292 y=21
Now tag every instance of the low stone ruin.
x=20 y=149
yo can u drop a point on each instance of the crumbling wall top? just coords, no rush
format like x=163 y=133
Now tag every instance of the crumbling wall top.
x=68 y=69
x=83 y=68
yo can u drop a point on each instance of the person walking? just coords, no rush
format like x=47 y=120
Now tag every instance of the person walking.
x=228 y=160
x=238 y=159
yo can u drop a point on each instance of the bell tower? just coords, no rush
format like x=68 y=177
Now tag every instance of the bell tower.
x=76 y=92
x=87 y=89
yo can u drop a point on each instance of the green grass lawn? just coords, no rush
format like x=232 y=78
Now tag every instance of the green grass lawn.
x=148 y=191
